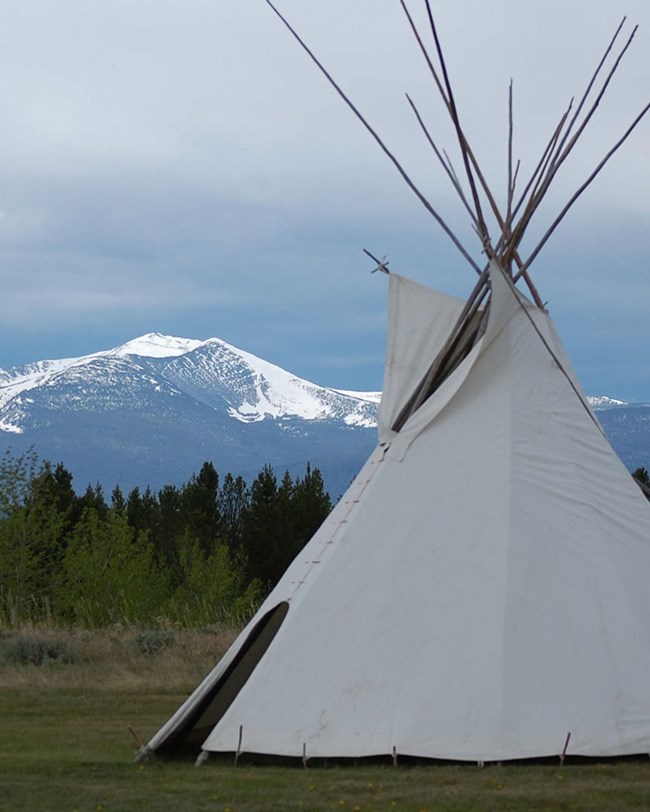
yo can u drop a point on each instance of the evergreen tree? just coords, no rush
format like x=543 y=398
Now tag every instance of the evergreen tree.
x=310 y=506
x=58 y=482
x=118 y=502
x=93 y=498
x=200 y=499
x=233 y=500
x=141 y=510
x=278 y=522
x=168 y=531
x=262 y=529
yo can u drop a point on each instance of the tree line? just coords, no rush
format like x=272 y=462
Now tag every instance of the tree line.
x=194 y=554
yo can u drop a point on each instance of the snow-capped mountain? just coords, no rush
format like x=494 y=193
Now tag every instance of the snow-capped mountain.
x=211 y=371
x=151 y=411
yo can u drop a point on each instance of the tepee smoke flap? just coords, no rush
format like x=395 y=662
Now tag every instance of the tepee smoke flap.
x=481 y=591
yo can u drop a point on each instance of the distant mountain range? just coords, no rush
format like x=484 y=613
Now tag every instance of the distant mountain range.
x=151 y=411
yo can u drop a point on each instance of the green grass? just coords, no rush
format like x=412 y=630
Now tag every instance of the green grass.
x=65 y=745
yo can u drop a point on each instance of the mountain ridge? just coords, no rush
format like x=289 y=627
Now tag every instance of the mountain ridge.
x=150 y=411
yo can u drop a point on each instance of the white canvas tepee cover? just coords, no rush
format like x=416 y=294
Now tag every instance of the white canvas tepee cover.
x=479 y=592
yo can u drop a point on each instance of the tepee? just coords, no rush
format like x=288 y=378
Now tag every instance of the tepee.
x=480 y=593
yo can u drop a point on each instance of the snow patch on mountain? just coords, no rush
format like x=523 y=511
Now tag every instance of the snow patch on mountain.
x=604 y=402
x=273 y=392
x=31 y=376
x=157 y=345
x=368 y=397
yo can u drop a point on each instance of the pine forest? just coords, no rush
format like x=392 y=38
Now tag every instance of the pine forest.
x=205 y=552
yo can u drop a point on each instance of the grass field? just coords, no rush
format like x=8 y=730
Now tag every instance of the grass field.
x=65 y=745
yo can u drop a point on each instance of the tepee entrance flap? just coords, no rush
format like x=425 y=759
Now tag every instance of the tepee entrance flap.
x=419 y=322
x=505 y=302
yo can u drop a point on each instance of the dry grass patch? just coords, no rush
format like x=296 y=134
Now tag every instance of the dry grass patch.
x=121 y=659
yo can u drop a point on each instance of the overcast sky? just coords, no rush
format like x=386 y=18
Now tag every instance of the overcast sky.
x=180 y=166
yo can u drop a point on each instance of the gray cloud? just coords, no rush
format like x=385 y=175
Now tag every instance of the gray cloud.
x=182 y=167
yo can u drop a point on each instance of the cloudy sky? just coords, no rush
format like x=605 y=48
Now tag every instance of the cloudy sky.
x=180 y=166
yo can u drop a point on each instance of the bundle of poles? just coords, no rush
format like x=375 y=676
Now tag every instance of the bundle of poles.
x=520 y=207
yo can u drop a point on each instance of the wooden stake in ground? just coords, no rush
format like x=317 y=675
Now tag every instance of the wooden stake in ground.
x=136 y=736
